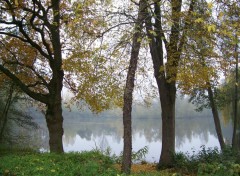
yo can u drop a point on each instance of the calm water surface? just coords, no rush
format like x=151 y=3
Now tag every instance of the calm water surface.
x=191 y=134
x=85 y=131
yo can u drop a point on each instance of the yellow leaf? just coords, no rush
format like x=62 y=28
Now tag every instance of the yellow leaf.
x=220 y=15
x=139 y=39
x=199 y=20
x=153 y=32
x=211 y=28
x=210 y=5
x=16 y=2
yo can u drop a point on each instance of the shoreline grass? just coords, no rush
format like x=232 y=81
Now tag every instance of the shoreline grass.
x=25 y=162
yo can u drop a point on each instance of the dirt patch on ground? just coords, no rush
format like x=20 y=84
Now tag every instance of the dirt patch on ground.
x=137 y=168
x=152 y=168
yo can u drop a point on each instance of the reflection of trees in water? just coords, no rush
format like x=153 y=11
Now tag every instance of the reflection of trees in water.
x=98 y=129
x=149 y=128
x=43 y=136
x=93 y=130
x=103 y=143
x=69 y=140
x=85 y=133
x=185 y=129
x=191 y=128
x=34 y=138
x=228 y=115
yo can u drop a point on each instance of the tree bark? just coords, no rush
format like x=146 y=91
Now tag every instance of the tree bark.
x=54 y=116
x=54 y=121
x=167 y=97
x=166 y=73
x=128 y=91
x=236 y=125
x=215 y=116
x=167 y=92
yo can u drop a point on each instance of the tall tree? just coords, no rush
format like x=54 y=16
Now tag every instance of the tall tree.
x=228 y=20
x=30 y=40
x=171 y=40
x=201 y=60
x=128 y=90
x=226 y=99
x=235 y=140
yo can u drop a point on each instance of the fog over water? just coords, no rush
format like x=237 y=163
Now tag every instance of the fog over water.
x=86 y=131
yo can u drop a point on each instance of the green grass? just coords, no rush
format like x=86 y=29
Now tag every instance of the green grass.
x=95 y=163
x=70 y=164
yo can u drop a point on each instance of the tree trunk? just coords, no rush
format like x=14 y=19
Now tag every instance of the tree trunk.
x=236 y=125
x=165 y=72
x=168 y=98
x=54 y=121
x=54 y=116
x=215 y=116
x=128 y=91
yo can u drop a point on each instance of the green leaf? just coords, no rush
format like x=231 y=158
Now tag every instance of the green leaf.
x=153 y=32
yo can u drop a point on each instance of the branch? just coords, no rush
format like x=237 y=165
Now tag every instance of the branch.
x=41 y=31
x=20 y=25
x=134 y=2
x=37 y=96
x=109 y=29
x=187 y=25
x=155 y=49
x=158 y=26
x=23 y=65
x=31 y=42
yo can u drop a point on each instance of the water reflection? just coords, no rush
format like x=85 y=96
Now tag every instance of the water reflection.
x=85 y=131
x=191 y=134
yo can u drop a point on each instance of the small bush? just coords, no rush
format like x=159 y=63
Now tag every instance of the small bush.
x=219 y=169
x=185 y=163
x=137 y=157
x=208 y=155
x=208 y=162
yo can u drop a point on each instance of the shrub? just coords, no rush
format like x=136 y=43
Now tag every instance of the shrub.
x=208 y=161
x=137 y=157
x=219 y=169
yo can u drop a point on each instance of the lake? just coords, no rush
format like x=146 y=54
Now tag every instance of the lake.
x=106 y=131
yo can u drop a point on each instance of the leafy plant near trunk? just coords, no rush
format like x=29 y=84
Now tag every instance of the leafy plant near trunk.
x=136 y=157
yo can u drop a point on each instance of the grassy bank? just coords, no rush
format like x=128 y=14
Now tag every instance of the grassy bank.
x=71 y=164
x=95 y=163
